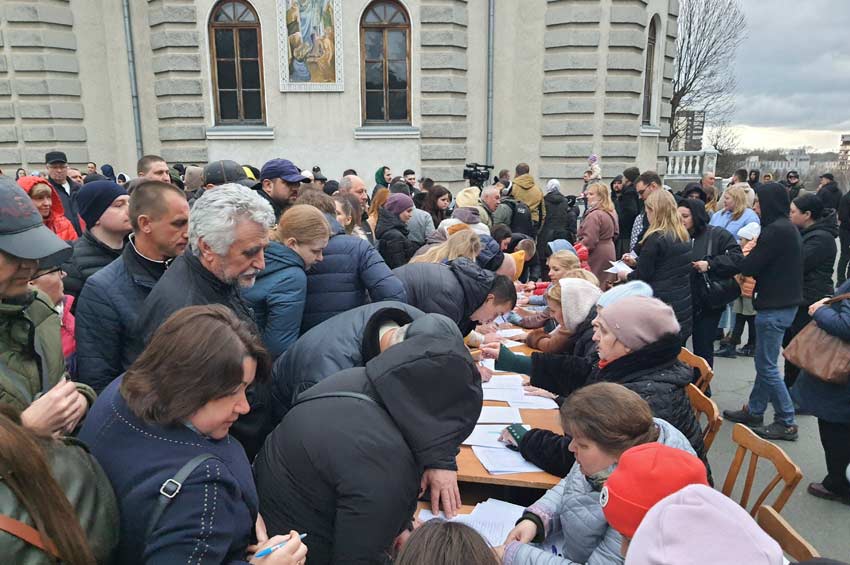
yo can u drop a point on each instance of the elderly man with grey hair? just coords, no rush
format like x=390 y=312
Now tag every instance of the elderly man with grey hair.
x=490 y=207
x=228 y=234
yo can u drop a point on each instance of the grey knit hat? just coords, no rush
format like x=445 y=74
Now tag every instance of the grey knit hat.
x=638 y=321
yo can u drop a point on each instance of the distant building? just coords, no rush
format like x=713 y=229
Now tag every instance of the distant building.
x=795 y=160
x=844 y=153
x=691 y=125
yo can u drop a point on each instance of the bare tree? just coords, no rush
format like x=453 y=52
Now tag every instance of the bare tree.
x=726 y=141
x=710 y=32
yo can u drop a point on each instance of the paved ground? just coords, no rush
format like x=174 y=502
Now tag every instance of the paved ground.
x=825 y=524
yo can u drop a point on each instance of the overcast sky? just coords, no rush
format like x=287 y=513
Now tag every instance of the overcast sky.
x=793 y=74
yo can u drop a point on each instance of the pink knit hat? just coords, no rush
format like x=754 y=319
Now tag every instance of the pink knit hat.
x=638 y=321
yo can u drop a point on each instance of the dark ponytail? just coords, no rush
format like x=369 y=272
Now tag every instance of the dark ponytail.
x=24 y=469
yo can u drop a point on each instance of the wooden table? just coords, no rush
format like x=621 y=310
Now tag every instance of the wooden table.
x=422 y=505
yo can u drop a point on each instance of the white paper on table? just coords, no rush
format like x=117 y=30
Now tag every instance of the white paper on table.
x=510 y=332
x=503 y=394
x=534 y=402
x=520 y=353
x=499 y=415
x=503 y=461
x=618 y=267
x=487 y=435
x=493 y=519
x=488 y=364
x=511 y=343
x=509 y=380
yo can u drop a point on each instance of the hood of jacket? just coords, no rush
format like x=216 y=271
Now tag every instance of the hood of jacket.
x=56 y=208
x=773 y=201
x=430 y=387
x=491 y=256
x=698 y=213
x=475 y=281
x=827 y=224
x=280 y=257
x=554 y=198
x=468 y=197
x=524 y=182
x=388 y=221
x=467 y=215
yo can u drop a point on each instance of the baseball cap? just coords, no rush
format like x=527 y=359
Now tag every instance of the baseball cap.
x=223 y=172
x=22 y=230
x=282 y=169
x=829 y=176
x=55 y=157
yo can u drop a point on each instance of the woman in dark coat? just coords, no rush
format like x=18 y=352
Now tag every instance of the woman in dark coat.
x=830 y=403
x=346 y=462
x=391 y=231
x=437 y=203
x=819 y=229
x=638 y=346
x=561 y=221
x=664 y=258
x=716 y=252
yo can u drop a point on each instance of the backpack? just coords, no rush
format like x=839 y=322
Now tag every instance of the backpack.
x=521 y=221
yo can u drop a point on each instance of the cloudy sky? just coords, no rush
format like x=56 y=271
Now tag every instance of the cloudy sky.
x=793 y=73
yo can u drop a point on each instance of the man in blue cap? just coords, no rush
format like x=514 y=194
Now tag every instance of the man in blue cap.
x=279 y=184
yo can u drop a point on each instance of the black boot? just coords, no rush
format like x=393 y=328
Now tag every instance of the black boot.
x=727 y=350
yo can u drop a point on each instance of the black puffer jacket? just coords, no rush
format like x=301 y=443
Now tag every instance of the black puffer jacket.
x=830 y=195
x=560 y=222
x=90 y=256
x=455 y=290
x=725 y=254
x=665 y=265
x=393 y=245
x=347 y=470
x=819 y=251
x=627 y=205
x=653 y=372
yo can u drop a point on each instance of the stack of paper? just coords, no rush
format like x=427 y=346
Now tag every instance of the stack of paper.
x=487 y=435
x=510 y=332
x=499 y=415
x=533 y=402
x=503 y=461
x=493 y=519
x=510 y=380
x=503 y=394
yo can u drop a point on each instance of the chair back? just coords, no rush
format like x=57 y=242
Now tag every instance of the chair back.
x=704 y=406
x=786 y=470
x=787 y=537
x=701 y=365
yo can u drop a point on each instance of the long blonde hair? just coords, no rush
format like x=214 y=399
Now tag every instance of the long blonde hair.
x=665 y=216
x=464 y=243
x=739 y=197
x=565 y=260
x=604 y=194
x=304 y=223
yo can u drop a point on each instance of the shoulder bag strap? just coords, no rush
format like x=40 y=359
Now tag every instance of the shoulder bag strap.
x=171 y=487
x=28 y=534
x=340 y=394
x=838 y=298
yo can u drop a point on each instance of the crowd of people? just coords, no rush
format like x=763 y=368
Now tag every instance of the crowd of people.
x=237 y=364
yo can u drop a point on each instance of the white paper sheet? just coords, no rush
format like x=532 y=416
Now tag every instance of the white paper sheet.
x=493 y=519
x=508 y=380
x=502 y=461
x=488 y=363
x=510 y=332
x=534 y=402
x=487 y=435
x=499 y=415
x=618 y=267
x=511 y=343
x=503 y=394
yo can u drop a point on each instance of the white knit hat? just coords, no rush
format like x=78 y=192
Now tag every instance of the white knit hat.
x=578 y=296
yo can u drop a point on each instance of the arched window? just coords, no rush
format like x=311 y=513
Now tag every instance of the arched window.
x=237 y=63
x=385 y=63
x=649 y=73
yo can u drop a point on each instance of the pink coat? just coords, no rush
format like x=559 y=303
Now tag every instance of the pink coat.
x=69 y=343
x=598 y=232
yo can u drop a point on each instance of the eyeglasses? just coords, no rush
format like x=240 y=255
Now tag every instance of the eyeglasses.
x=59 y=270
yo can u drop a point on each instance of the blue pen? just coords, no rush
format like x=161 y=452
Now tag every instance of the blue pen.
x=268 y=550
x=554 y=550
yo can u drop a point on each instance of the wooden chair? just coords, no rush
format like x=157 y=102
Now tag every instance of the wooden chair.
x=786 y=469
x=787 y=537
x=703 y=405
x=701 y=365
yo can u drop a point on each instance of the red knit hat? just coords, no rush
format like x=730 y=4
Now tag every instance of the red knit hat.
x=644 y=475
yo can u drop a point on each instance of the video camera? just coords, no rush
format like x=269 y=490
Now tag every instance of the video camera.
x=477 y=174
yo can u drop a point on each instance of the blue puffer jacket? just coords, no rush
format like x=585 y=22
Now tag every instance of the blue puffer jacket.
x=107 y=310
x=277 y=298
x=827 y=401
x=352 y=274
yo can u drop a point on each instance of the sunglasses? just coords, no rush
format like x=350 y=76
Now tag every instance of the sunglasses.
x=49 y=272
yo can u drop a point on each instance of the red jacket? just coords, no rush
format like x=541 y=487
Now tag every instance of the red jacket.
x=56 y=222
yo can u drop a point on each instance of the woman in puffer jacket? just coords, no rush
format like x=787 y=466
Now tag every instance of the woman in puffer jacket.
x=391 y=231
x=638 y=345
x=604 y=420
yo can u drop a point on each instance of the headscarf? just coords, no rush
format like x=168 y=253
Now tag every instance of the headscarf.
x=379 y=176
x=554 y=185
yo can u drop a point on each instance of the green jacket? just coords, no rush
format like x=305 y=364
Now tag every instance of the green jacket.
x=31 y=360
x=90 y=494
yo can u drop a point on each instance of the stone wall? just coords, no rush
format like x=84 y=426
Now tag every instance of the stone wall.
x=40 y=89
x=444 y=89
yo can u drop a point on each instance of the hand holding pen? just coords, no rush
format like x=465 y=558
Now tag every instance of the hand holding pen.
x=282 y=550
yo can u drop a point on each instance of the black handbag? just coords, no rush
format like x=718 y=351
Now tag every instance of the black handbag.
x=716 y=293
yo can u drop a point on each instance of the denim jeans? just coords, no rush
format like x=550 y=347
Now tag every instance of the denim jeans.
x=769 y=385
